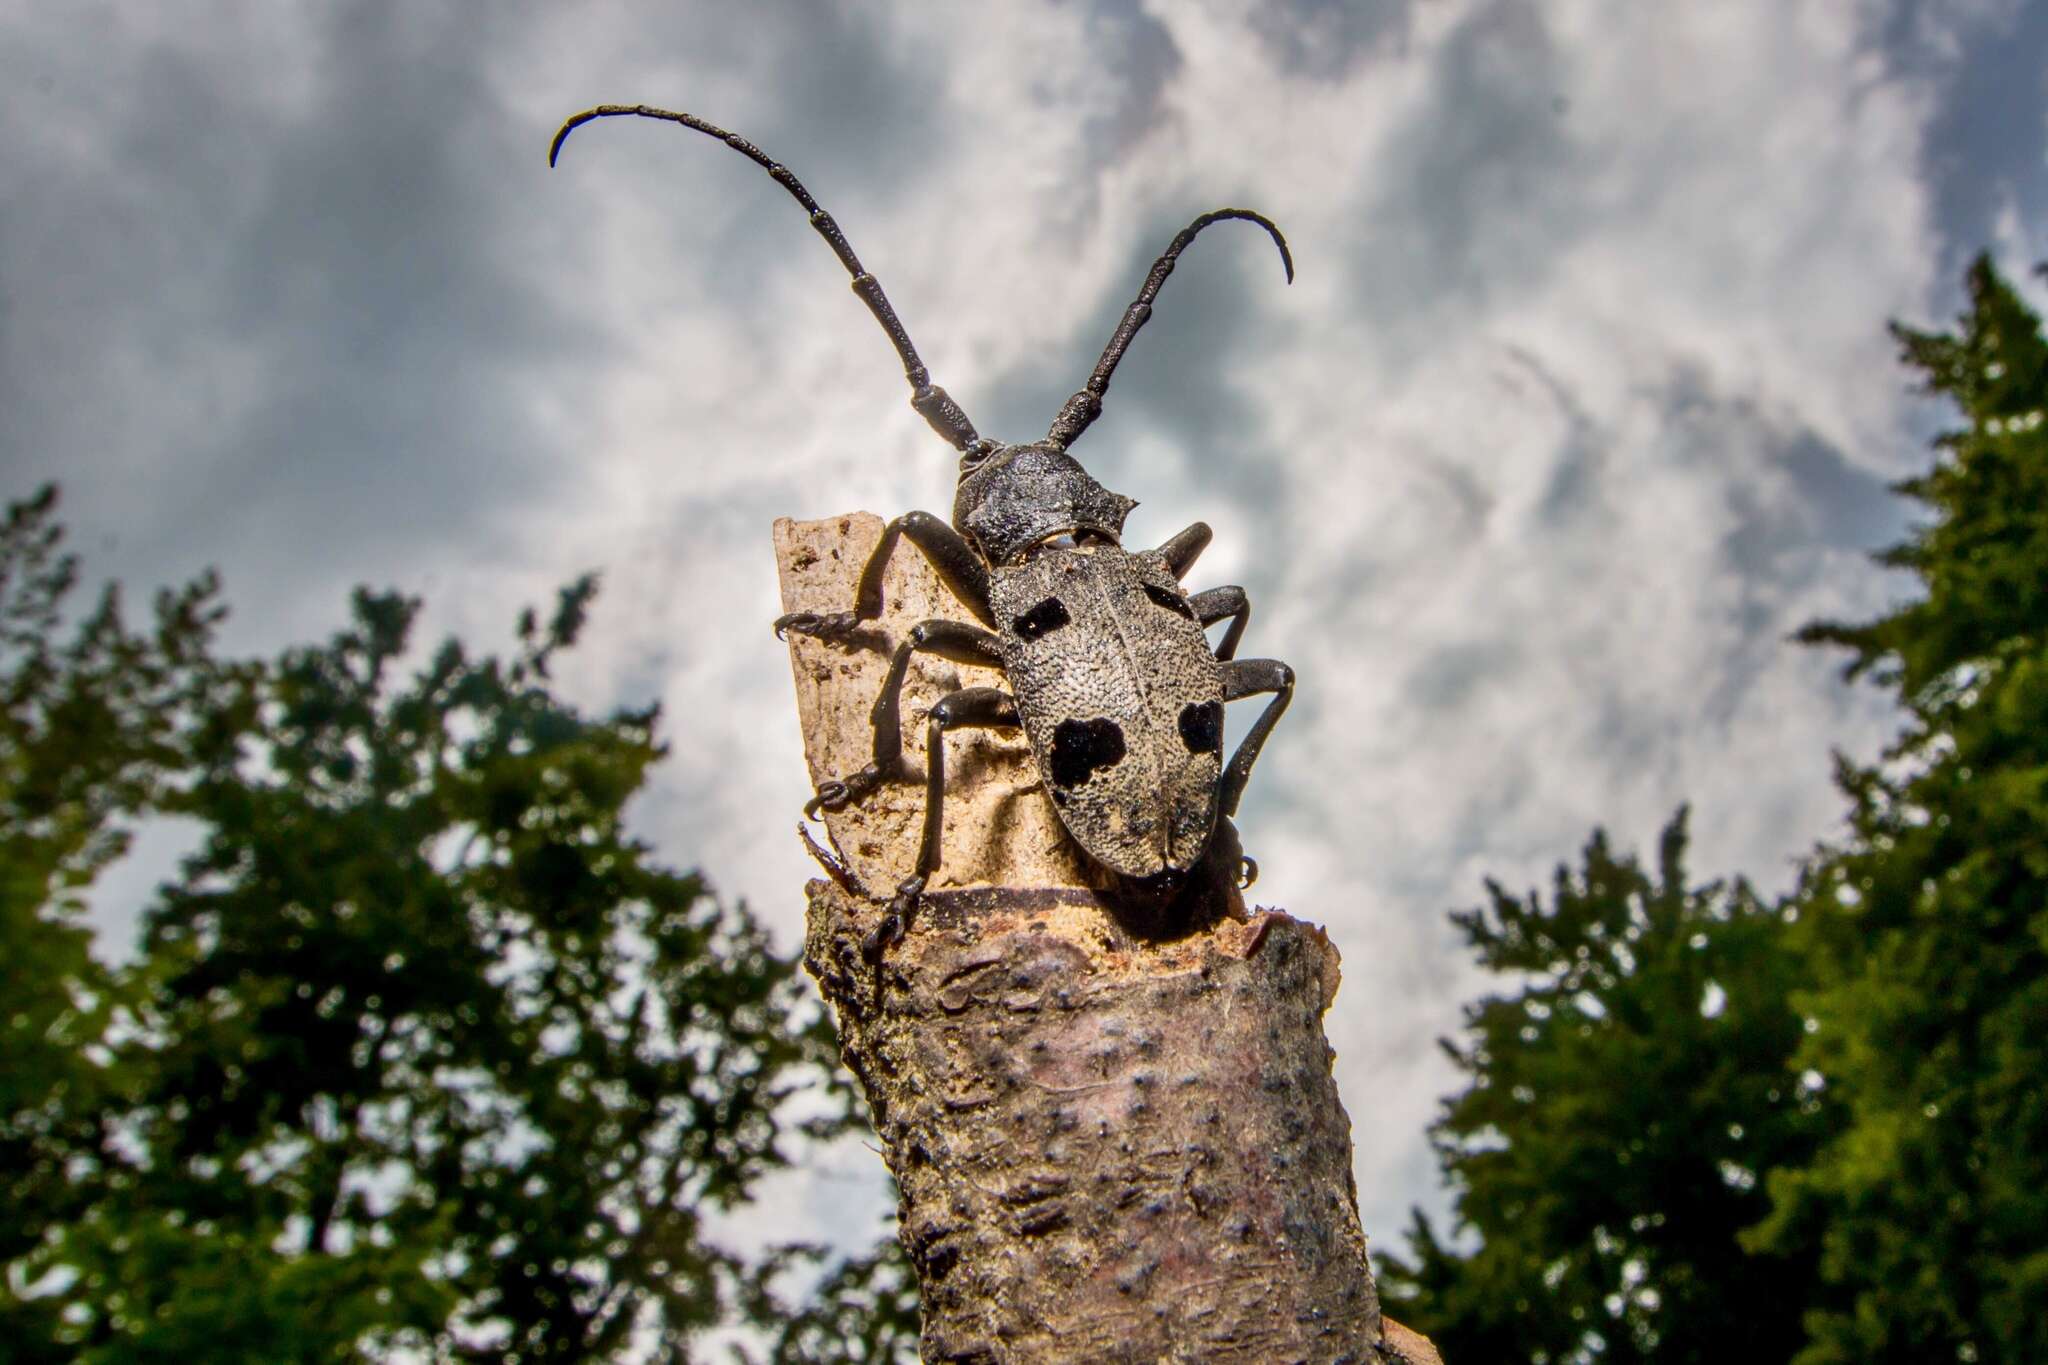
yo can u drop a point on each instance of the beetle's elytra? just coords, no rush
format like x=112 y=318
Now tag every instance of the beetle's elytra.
x=1111 y=674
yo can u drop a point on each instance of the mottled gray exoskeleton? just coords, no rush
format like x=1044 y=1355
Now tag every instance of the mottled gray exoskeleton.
x=1112 y=676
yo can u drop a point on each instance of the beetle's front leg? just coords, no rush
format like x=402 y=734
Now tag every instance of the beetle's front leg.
x=1249 y=678
x=1181 y=550
x=949 y=553
x=953 y=640
x=984 y=707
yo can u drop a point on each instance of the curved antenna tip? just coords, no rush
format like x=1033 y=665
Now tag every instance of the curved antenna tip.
x=576 y=121
x=1083 y=408
x=1247 y=216
x=1272 y=230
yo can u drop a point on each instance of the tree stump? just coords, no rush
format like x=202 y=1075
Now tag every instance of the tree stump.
x=1114 y=1129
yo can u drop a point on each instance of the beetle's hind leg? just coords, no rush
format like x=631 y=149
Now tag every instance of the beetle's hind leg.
x=1251 y=678
x=948 y=552
x=954 y=640
x=981 y=707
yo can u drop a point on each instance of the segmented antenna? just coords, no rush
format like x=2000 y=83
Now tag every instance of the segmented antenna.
x=932 y=402
x=1085 y=406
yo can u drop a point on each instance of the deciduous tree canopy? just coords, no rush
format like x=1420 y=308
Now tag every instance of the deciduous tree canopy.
x=1624 y=1102
x=422 y=1048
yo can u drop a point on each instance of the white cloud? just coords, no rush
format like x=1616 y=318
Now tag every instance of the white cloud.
x=1574 y=411
x=1527 y=475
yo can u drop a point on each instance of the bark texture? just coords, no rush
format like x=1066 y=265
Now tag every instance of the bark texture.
x=1114 y=1128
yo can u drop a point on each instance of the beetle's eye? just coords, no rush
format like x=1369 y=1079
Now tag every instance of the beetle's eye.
x=976 y=455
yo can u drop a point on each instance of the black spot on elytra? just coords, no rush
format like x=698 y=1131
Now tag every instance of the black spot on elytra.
x=1042 y=619
x=1079 y=747
x=1201 y=726
x=1172 y=601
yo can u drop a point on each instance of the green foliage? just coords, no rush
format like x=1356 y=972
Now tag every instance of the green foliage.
x=1623 y=1101
x=1927 y=929
x=422 y=1051
x=86 y=724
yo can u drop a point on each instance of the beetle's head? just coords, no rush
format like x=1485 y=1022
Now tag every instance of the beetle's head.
x=1012 y=499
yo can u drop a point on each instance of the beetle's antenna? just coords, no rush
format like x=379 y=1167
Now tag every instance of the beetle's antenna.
x=1085 y=406
x=932 y=402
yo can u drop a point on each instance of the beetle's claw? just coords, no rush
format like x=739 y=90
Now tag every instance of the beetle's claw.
x=880 y=938
x=835 y=625
x=832 y=795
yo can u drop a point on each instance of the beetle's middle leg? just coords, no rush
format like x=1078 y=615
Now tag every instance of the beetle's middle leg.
x=953 y=640
x=1250 y=678
x=949 y=553
x=1217 y=604
x=983 y=707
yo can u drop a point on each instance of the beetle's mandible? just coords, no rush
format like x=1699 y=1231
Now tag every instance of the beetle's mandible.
x=1111 y=673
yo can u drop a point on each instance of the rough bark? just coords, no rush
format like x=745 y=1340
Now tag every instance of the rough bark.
x=1115 y=1130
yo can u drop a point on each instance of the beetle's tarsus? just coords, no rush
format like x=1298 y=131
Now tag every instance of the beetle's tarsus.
x=823 y=625
x=896 y=923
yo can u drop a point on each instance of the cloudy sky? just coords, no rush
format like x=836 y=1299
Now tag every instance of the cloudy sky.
x=1580 y=403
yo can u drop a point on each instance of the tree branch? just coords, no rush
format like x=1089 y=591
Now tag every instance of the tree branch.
x=1115 y=1132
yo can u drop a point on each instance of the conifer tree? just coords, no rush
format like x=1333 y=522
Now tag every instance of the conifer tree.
x=1868 y=1074
x=1926 y=928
